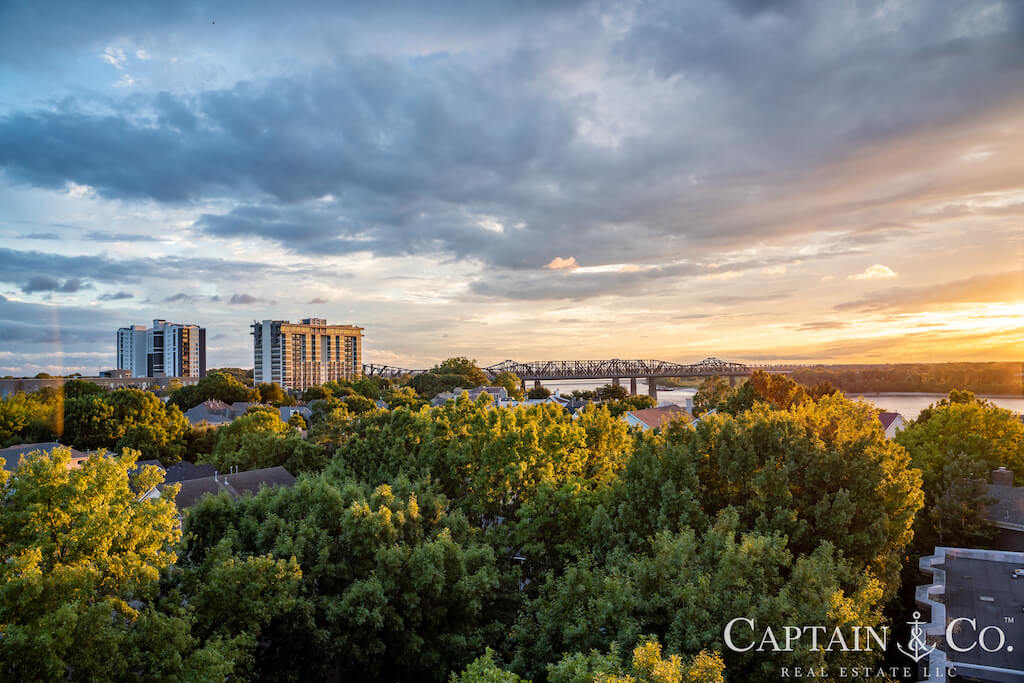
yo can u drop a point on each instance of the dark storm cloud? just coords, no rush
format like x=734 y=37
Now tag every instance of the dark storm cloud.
x=30 y=31
x=45 y=283
x=53 y=327
x=418 y=153
x=116 y=296
x=489 y=156
x=39 y=271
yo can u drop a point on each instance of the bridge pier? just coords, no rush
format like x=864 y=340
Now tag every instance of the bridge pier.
x=522 y=385
x=732 y=380
x=615 y=381
x=652 y=388
x=632 y=386
x=536 y=384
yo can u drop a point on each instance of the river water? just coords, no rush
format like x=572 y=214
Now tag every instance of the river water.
x=907 y=405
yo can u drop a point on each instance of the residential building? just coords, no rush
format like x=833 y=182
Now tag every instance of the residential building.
x=235 y=484
x=1006 y=511
x=974 y=598
x=164 y=350
x=300 y=355
x=10 y=457
x=499 y=394
x=653 y=418
x=891 y=423
x=216 y=412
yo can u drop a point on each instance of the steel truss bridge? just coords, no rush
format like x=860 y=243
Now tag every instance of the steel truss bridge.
x=615 y=369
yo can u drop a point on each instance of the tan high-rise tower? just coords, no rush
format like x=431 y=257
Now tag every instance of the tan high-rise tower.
x=304 y=354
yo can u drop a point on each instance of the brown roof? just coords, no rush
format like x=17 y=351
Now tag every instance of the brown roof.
x=656 y=418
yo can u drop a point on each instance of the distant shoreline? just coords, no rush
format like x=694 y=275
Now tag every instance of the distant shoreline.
x=928 y=394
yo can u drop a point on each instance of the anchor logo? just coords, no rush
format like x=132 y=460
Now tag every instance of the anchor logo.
x=917 y=648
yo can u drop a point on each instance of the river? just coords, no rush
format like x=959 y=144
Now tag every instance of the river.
x=907 y=405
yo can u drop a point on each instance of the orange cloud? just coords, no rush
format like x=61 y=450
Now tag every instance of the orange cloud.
x=559 y=263
x=875 y=272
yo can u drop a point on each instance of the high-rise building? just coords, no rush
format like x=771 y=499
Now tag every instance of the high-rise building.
x=301 y=355
x=164 y=350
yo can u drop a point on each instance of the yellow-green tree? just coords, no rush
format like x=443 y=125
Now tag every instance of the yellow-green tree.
x=80 y=557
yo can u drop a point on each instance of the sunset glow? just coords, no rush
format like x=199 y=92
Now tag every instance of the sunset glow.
x=570 y=182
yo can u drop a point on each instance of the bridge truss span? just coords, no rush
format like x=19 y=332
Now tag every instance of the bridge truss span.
x=617 y=368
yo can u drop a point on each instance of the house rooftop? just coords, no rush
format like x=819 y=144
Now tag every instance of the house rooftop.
x=11 y=456
x=186 y=471
x=887 y=418
x=974 y=584
x=235 y=485
x=656 y=418
x=1007 y=510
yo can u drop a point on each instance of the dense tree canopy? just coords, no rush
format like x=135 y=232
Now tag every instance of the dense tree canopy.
x=222 y=386
x=454 y=372
x=983 y=378
x=393 y=587
x=511 y=383
x=956 y=443
x=478 y=543
x=125 y=418
x=79 y=562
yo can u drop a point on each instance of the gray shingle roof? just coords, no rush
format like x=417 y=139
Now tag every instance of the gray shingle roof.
x=235 y=485
x=11 y=456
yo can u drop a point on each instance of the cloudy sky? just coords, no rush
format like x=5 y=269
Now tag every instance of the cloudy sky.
x=799 y=181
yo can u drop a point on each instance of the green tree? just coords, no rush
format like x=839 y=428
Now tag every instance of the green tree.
x=76 y=388
x=30 y=418
x=393 y=587
x=685 y=589
x=538 y=392
x=712 y=391
x=402 y=397
x=126 y=418
x=511 y=382
x=779 y=391
x=465 y=367
x=222 y=386
x=454 y=372
x=619 y=408
x=358 y=404
x=272 y=393
x=484 y=669
x=316 y=393
x=612 y=392
x=960 y=438
x=818 y=471
x=81 y=555
x=647 y=666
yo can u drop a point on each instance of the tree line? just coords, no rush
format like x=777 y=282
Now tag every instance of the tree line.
x=463 y=542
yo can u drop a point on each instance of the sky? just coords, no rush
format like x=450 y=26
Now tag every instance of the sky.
x=757 y=181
